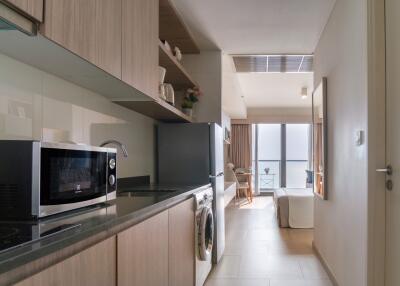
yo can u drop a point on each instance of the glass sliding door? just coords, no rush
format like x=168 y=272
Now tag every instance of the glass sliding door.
x=297 y=155
x=281 y=156
x=269 y=156
x=254 y=165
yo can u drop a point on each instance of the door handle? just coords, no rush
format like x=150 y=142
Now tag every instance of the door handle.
x=218 y=175
x=388 y=170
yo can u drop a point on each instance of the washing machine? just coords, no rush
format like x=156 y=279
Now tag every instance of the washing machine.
x=204 y=234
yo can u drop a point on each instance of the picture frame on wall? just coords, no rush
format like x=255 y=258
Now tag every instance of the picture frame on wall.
x=320 y=139
x=227 y=136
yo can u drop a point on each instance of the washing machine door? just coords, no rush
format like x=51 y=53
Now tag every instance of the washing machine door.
x=206 y=233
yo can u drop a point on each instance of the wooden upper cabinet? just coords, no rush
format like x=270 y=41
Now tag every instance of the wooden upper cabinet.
x=72 y=24
x=93 y=266
x=118 y=36
x=109 y=36
x=60 y=23
x=89 y=28
x=33 y=8
x=84 y=25
x=181 y=244
x=140 y=45
x=142 y=253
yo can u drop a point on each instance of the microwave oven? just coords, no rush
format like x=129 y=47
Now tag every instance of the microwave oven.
x=38 y=179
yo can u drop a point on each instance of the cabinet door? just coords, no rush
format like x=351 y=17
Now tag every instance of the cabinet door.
x=33 y=8
x=93 y=266
x=72 y=24
x=109 y=36
x=181 y=244
x=142 y=252
x=89 y=28
x=140 y=45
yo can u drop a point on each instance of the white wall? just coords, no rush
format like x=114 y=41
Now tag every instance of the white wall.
x=226 y=121
x=341 y=222
x=205 y=68
x=232 y=95
x=40 y=106
x=278 y=115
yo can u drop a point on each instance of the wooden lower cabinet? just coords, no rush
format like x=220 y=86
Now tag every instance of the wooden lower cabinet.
x=93 y=266
x=181 y=244
x=160 y=250
x=156 y=252
x=143 y=253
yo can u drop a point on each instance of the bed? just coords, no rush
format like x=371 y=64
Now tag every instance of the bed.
x=294 y=207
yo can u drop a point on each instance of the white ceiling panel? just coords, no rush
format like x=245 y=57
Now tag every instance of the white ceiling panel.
x=256 y=26
x=262 y=90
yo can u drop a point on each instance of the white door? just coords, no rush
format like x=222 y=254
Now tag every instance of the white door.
x=392 y=262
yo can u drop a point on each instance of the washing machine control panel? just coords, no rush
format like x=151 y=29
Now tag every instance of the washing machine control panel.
x=203 y=198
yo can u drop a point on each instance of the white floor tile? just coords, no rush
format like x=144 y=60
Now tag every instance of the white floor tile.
x=237 y=282
x=227 y=267
x=258 y=252
x=286 y=282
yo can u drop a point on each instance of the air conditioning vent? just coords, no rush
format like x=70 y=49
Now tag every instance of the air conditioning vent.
x=274 y=63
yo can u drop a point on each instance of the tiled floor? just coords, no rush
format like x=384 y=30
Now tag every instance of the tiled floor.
x=259 y=253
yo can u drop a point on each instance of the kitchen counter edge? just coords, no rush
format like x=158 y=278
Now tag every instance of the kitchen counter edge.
x=35 y=261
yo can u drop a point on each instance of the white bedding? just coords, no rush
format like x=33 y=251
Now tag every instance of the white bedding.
x=301 y=208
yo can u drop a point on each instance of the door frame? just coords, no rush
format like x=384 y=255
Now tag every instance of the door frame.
x=376 y=138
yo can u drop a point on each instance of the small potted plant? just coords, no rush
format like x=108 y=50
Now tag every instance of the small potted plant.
x=191 y=97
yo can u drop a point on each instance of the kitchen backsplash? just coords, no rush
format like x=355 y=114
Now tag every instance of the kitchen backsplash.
x=40 y=106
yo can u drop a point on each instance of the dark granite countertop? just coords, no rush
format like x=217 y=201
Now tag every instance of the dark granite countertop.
x=132 y=206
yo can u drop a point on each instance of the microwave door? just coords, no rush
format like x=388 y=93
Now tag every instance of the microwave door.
x=72 y=177
x=48 y=178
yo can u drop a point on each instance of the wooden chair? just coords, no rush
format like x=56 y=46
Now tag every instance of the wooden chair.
x=244 y=175
x=242 y=186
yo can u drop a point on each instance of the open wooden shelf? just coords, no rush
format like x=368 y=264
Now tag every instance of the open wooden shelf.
x=176 y=73
x=44 y=54
x=173 y=29
x=157 y=109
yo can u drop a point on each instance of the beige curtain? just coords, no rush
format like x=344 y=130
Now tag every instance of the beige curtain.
x=240 y=151
x=318 y=160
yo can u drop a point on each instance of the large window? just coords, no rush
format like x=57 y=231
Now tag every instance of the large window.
x=269 y=155
x=297 y=154
x=281 y=155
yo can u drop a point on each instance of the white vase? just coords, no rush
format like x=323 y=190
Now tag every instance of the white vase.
x=178 y=54
x=188 y=111
x=161 y=74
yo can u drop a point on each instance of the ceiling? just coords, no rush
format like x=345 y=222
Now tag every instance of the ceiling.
x=256 y=26
x=271 y=90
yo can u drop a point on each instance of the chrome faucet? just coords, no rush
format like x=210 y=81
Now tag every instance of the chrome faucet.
x=119 y=144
